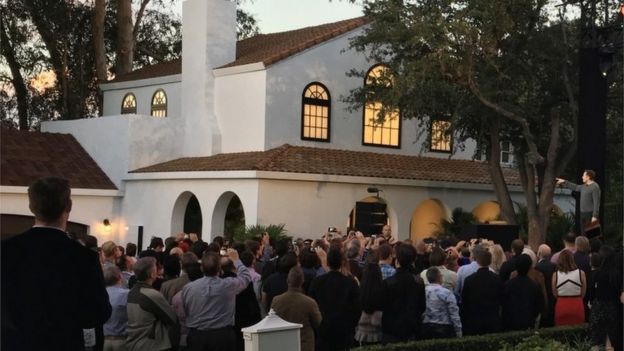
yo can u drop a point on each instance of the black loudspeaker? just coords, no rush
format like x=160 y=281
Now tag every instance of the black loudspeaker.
x=370 y=217
x=140 y=240
x=592 y=127
x=501 y=234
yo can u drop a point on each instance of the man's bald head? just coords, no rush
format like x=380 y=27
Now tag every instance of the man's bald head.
x=543 y=252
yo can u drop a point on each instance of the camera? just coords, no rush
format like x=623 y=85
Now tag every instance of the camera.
x=223 y=252
x=332 y=230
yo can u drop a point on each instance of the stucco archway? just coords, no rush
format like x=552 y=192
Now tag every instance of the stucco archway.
x=186 y=216
x=228 y=214
x=427 y=219
x=487 y=211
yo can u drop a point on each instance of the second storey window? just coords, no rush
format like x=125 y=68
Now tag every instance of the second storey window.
x=441 y=136
x=315 y=113
x=128 y=104
x=380 y=131
x=159 y=104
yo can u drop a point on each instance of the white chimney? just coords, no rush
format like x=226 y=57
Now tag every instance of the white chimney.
x=208 y=41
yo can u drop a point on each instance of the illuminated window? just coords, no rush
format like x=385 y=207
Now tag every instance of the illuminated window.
x=159 y=104
x=441 y=136
x=380 y=131
x=315 y=113
x=128 y=104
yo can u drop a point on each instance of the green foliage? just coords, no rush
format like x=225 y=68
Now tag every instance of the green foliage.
x=558 y=226
x=536 y=343
x=459 y=220
x=574 y=338
x=276 y=232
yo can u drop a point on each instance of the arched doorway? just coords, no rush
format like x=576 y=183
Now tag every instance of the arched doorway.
x=369 y=215
x=487 y=211
x=187 y=216
x=427 y=219
x=228 y=215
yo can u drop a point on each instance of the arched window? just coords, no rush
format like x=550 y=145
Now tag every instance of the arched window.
x=315 y=112
x=377 y=132
x=159 y=104
x=128 y=104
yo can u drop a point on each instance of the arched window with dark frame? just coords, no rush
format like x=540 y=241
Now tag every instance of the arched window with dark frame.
x=128 y=104
x=315 y=113
x=377 y=132
x=159 y=104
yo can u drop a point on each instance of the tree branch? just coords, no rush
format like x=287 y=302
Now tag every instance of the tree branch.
x=535 y=157
x=144 y=50
x=21 y=92
x=139 y=18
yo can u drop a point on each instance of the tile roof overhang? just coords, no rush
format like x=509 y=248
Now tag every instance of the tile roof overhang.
x=28 y=156
x=311 y=160
x=265 y=48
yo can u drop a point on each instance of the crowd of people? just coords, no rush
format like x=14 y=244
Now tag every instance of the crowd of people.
x=183 y=293
x=354 y=290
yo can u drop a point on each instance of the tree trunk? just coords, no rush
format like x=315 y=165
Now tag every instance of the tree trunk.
x=98 y=40
x=21 y=92
x=496 y=173
x=125 y=37
x=527 y=176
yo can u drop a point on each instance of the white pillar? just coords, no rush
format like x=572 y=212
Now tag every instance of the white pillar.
x=208 y=41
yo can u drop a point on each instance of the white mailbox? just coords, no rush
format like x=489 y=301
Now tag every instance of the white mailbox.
x=272 y=333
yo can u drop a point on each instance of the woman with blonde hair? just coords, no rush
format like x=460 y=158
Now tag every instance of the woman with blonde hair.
x=498 y=257
x=569 y=286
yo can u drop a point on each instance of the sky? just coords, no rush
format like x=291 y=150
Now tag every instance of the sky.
x=282 y=15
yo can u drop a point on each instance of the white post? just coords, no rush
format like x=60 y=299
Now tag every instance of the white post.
x=272 y=333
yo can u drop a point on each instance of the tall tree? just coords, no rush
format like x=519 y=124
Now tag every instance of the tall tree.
x=499 y=70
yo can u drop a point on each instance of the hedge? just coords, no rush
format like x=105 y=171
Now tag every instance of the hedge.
x=489 y=342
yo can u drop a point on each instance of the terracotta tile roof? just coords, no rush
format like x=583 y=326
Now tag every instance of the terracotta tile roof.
x=274 y=47
x=299 y=159
x=159 y=70
x=266 y=48
x=27 y=156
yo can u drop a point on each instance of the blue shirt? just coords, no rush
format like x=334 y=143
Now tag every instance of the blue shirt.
x=462 y=273
x=387 y=270
x=210 y=302
x=442 y=307
x=117 y=324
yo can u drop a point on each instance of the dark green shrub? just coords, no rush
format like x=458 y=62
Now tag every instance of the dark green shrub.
x=276 y=232
x=570 y=336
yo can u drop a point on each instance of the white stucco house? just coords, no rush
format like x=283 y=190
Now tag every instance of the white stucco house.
x=261 y=121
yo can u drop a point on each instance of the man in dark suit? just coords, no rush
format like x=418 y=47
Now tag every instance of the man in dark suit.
x=547 y=268
x=510 y=265
x=523 y=299
x=338 y=298
x=52 y=287
x=481 y=298
x=405 y=299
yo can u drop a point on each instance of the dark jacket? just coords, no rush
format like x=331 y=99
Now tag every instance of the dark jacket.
x=52 y=289
x=522 y=302
x=507 y=267
x=293 y=306
x=338 y=298
x=405 y=304
x=481 y=298
x=547 y=268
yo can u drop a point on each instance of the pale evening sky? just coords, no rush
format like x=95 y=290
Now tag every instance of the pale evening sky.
x=282 y=15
